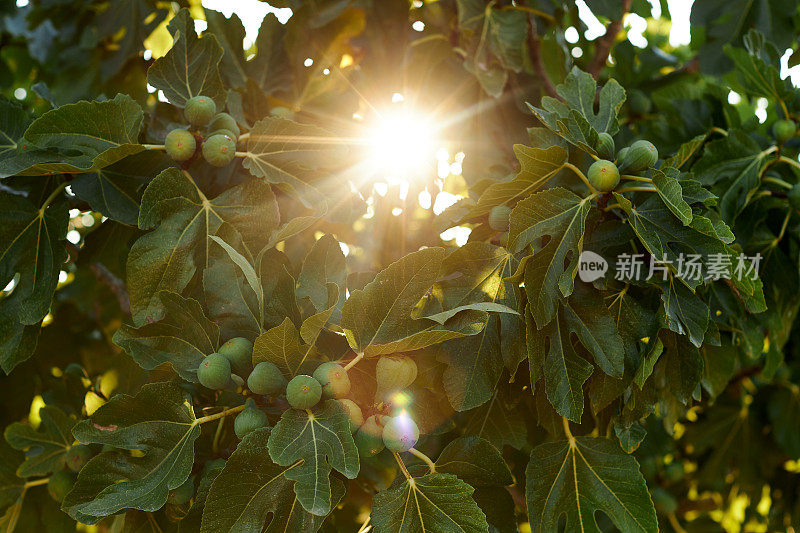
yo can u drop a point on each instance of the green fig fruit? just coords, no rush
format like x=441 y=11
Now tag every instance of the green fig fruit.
x=199 y=110
x=219 y=150
x=77 y=456
x=239 y=351
x=214 y=372
x=499 y=217
x=334 y=380
x=394 y=373
x=180 y=144
x=400 y=434
x=641 y=156
x=250 y=419
x=784 y=130
x=303 y=392
x=223 y=121
x=603 y=175
x=266 y=379
x=59 y=484
x=605 y=146
x=354 y=413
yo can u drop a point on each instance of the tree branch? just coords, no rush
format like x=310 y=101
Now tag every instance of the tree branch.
x=534 y=47
x=604 y=43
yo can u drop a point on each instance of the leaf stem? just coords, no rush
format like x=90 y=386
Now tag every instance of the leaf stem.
x=155 y=146
x=636 y=189
x=402 y=465
x=542 y=14
x=364 y=527
x=777 y=181
x=636 y=178
x=217 y=433
x=353 y=363
x=567 y=432
x=715 y=129
x=36 y=482
x=53 y=195
x=221 y=414
x=425 y=458
x=673 y=521
x=581 y=175
x=244 y=136
x=609 y=207
x=242 y=154
x=790 y=161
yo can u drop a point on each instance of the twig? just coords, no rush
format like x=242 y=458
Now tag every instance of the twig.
x=604 y=43
x=211 y=418
x=534 y=46
x=425 y=458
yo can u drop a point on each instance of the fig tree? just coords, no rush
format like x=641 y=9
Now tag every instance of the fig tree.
x=605 y=146
x=395 y=372
x=77 y=456
x=239 y=351
x=223 y=121
x=353 y=413
x=400 y=434
x=59 y=484
x=499 y=217
x=180 y=144
x=214 y=372
x=250 y=419
x=199 y=110
x=641 y=156
x=603 y=175
x=182 y=494
x=334 y=380
x=303 y=392
x=219 y=149
x=266 y=379
x=784 y=130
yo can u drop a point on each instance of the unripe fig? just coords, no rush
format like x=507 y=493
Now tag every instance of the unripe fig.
x=59 y=484
x=223 y=131
x=219 y=150
x=664 y=501
x=784 y=130
x=180 y=144
x=794 y=196
x=334 y=380
x=499 y=217
x=641 y=156
x=353 y=413
x=266 y=379
x=214 y=372
x=639 y=103
x=395 y=372
x=250 y=419
x=223 y=121
x=182 y=494
x=199 y=110
x=77 y=456
x=282 y=112
x=369 y=438
x=621 y=154
x=239 y=351
x=303 y=392
x=603 y=175
x=605 y=146
x=400 y=434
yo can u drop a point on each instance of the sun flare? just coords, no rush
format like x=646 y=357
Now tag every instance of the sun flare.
x=402 y=144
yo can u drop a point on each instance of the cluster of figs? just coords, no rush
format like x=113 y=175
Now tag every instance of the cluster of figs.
x=226 y=368
x=216 y=134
